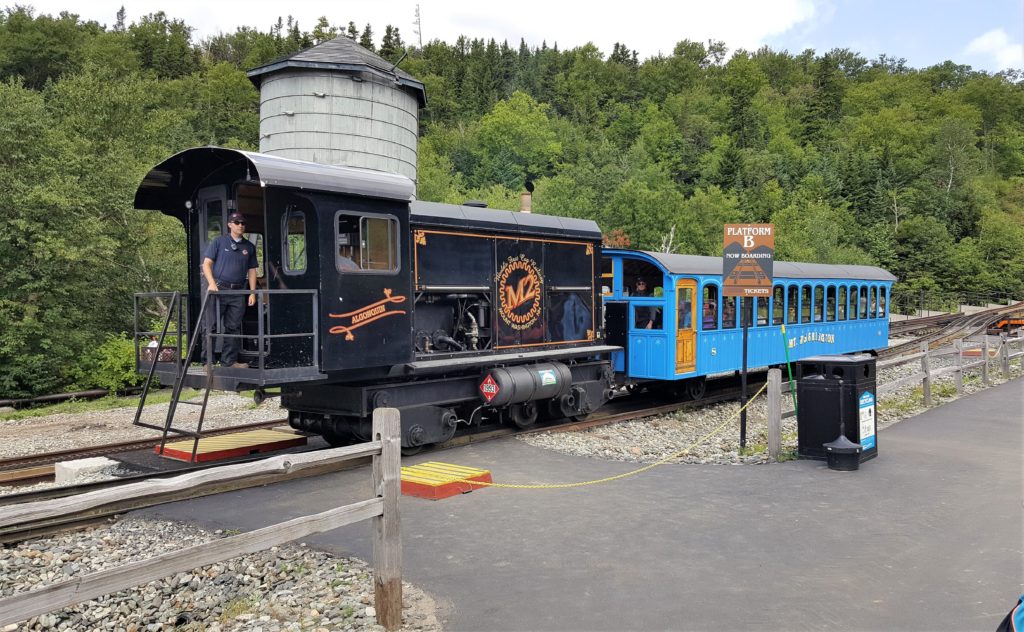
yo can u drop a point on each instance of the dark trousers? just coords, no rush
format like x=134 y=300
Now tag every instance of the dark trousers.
x=232 y=308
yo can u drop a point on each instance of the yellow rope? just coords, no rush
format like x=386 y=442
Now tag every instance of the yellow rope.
x=608 y=479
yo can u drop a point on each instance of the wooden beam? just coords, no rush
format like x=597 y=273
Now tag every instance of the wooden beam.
x=32 y=512
x=774 y=414
x=387 y=541
x=24 y=606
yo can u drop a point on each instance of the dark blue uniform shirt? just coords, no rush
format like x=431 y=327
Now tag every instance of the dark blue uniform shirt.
x=231 y=265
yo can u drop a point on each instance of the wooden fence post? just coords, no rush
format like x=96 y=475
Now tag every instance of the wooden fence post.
x=926 y=381
x=959 y=375
x=1004 y=355
x=387 y=541
x=774 y=414
x=984 y=366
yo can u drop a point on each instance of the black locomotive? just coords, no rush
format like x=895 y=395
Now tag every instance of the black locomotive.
x=368 y=298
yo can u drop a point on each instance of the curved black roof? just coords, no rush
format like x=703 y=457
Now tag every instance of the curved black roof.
x=345 y=55
x=695 y=264
x=455 y=217
x=171 y=183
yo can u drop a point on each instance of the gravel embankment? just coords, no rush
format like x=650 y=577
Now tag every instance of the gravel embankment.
x=283 y=589
x=682 y=435
x=67 y=431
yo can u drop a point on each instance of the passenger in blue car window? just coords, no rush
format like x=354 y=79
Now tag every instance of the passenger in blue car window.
x=645 y=315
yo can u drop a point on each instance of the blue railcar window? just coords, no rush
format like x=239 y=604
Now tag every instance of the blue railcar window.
x=830 y=303
x=746 y=311
x=793 y=304
x=881 y=302
x=819 y=303
x=841 y=307
x=874 y=302
x=778 y=305
x=805 y=304
x=762 y=311
x=709 y=312
x=863 y=302
x=728 y=312
x=853 y=302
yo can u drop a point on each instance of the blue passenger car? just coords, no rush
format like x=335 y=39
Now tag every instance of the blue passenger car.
x=682 y=328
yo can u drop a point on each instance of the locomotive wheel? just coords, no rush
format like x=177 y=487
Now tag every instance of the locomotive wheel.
x=524 y=415
x=412 y=450
x=334 y=438
x=695 y=388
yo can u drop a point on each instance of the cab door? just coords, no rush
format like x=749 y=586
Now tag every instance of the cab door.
x=686 y=334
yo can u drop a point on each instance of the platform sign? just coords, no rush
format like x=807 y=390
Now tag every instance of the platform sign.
x=747 y=256
x=867 y=420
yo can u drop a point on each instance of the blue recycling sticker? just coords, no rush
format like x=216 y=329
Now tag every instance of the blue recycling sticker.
x=867 y=421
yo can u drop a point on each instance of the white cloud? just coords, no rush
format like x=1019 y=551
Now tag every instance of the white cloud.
x=997 y=45
x=648 y=26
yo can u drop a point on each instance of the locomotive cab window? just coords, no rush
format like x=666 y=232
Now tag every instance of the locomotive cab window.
x=830 y=303
x=874 y=302
x=819 y=302
x=881 y=302
x=366 y=243
x=841 y=306
x=863 y=302
x=853 y=302
x=294 y=242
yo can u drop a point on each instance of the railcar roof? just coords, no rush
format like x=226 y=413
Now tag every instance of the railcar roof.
x=170 y=184
x=696 y=264
x=457 y=217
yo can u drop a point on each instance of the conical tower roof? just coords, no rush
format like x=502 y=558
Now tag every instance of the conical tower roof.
x=342 y=54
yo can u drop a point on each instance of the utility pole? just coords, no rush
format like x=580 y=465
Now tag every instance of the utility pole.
x=419 y=26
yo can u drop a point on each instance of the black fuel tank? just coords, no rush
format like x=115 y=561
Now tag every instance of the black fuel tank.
x=516 y=384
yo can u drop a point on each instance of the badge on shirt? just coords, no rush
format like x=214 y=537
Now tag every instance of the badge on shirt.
x=245 y=253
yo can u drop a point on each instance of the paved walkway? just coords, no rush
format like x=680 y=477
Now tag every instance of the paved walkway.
x=928 y=536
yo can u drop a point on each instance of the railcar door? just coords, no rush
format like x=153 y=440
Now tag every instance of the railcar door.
x=686 y=335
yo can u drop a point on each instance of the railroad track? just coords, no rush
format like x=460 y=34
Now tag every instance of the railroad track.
x=622 y=411
x=963 y=326
x=902 y=327
x=32 y=468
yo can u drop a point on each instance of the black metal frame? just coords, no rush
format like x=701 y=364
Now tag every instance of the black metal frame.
x=177 y=308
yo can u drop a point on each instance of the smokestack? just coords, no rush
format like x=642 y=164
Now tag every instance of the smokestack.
x=526 y=198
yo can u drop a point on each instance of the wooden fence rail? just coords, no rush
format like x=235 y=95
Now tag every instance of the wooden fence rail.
x=382 y=509
x=1003 y=354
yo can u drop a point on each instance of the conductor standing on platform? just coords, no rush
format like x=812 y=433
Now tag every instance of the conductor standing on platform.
x=230 y=264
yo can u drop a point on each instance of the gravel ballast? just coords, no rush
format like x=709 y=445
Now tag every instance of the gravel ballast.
x=286 y=588
x=682 y=435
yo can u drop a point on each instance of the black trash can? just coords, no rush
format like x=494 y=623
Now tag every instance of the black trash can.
x=834 y=389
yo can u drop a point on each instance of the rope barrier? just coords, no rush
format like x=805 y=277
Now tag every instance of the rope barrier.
x=609 y=479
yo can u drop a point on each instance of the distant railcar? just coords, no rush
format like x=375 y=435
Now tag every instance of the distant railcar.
x=697 y=332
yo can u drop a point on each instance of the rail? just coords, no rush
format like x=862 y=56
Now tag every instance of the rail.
x=382 y=508
x=1003 y=354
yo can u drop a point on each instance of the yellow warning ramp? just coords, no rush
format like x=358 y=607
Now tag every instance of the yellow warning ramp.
x=435 y=480
x=231 y=445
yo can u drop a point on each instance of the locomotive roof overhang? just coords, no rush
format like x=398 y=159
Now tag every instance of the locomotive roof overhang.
x=463 y=218
x=695 y=264
x=345 y=56
x=173 y=182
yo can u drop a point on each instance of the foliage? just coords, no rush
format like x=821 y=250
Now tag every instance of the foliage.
x=112 y=365
x=855 y=160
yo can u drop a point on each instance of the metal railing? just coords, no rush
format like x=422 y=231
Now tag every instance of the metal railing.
x=209 y=325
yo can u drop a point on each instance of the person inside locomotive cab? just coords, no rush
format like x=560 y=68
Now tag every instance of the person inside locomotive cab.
x=230 y=263
x=347 y=258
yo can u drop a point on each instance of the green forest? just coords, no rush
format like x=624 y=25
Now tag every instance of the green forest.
x=855 y=160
